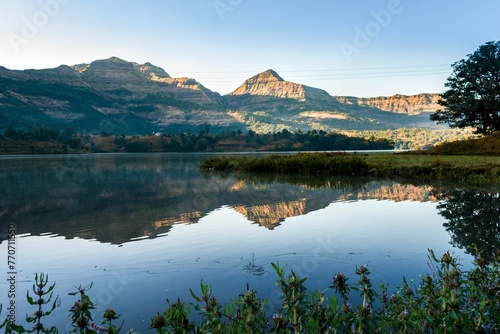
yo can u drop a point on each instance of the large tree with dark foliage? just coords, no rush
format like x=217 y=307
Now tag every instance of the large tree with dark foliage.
x=473 y=97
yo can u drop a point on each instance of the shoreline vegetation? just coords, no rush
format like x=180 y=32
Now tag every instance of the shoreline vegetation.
x=444 y=300
x=461 y=169
x=474 y=161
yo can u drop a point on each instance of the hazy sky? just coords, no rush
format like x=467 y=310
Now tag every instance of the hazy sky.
x=360 y=48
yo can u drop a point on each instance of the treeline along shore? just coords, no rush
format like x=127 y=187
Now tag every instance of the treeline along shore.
x=47 y=140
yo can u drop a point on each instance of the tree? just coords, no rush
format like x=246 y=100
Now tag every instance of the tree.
x=473 y=97
x=68 y=132
x=201 y=144
x=11 y=132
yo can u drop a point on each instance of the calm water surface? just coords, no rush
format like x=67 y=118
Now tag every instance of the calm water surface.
x=144 y=228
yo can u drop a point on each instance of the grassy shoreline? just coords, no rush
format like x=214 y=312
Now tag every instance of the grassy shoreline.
x=464 y=169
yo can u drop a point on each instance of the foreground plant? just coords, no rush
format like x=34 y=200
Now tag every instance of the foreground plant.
x=39 y=290
x=174 y=320
x=294 y=297
x=81 y=315
x=44 y=294
x=249 y=313
x=109 y=317
x=446 y=300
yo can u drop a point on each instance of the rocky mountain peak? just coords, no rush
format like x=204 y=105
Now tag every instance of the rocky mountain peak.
x=267 y=83
x=149 y=71
x=116 y=65
x=270 y=84
x=113 y=63
x=265 y=77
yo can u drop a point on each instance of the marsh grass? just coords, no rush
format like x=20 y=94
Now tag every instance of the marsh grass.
x=301 y=163
x=461 y=169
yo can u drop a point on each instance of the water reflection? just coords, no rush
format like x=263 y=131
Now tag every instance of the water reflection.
x=160 y=225
x=473 y=219
x=118 y=198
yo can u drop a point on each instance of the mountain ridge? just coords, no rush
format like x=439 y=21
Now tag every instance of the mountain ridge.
x=398 y=103
x=142 y=98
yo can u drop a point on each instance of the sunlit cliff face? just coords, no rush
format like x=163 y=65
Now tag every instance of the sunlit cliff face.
x=110 y=93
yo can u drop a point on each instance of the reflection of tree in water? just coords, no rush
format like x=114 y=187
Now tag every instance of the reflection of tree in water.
x=473 y=220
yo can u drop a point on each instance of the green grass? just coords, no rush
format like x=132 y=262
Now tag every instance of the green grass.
x=416 y=159
x=462 y=169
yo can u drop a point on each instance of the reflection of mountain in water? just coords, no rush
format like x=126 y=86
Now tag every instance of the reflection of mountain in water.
x=115 y=198
x=269 y=215
x=184 y=218
x=399 y=192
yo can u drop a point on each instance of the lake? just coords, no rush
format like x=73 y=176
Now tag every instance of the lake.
x=144 y=228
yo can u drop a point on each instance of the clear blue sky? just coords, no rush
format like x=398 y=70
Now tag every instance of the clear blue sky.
x=359 y=48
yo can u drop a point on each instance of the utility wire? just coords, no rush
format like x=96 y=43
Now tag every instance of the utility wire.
x=322 y=70
x=329 y=74
x=374 y=75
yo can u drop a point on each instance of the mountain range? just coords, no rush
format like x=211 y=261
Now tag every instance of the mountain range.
x=121 y=97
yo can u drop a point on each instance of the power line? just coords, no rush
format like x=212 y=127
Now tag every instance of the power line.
x=381 y=76
x=353 y=76
x=320 y=70
x=327 y=74
x=431 y=71
x=371 y=68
